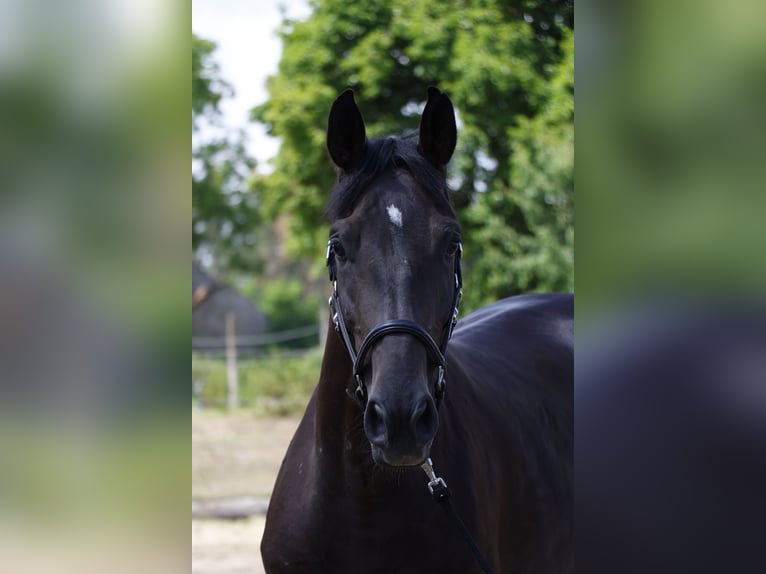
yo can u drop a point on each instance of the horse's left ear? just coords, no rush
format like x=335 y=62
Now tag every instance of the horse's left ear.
x=438 y=131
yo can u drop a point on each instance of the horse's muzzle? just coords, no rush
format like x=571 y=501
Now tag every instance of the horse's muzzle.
x=401 y=435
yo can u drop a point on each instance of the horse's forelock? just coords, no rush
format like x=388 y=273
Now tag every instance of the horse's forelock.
x=381 y=155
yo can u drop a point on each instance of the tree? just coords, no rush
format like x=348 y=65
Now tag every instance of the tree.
x=207 y=86
x=224 y=210
x=504 y=65
x=536 y=251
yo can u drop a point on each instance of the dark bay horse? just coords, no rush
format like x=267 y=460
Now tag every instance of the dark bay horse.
x=493 y=409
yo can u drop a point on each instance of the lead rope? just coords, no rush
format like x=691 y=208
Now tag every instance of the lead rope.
x=441 y=494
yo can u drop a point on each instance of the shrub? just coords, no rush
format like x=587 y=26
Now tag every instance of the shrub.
x=277 y=383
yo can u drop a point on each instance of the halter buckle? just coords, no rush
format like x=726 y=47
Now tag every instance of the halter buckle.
x=456 y=310
x=334 y=314
x=361 y=391
x=440 y=387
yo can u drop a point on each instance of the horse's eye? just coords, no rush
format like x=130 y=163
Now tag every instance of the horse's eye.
x=453 y=247
x=337 y=249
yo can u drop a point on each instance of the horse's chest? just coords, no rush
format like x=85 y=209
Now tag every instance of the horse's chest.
x=338 y=534
x=387 y=549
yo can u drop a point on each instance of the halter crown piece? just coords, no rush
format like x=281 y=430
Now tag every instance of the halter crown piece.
x=436 y=353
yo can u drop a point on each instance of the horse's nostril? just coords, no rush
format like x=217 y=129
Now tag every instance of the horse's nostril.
x=424 y=421
x=375 y=424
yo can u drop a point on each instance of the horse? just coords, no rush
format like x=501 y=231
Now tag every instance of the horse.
x=491 y=412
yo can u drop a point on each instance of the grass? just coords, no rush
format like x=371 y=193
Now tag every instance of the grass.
x=275 y=384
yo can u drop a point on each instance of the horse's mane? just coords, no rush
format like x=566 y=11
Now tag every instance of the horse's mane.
x=382 y=155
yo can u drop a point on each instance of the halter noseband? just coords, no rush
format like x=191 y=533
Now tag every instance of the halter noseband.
x=436 y=353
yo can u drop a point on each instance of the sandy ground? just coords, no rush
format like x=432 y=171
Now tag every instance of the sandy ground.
x=233 y=455
x=227 y=546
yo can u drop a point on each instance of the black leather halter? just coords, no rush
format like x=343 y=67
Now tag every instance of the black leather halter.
x=436 y=353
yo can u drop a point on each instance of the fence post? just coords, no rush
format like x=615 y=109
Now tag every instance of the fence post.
x=232 y=382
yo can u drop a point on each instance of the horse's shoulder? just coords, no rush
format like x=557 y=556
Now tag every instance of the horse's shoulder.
x=291 y=523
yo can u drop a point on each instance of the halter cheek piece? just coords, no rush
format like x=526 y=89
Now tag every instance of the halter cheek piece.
x=436 y=353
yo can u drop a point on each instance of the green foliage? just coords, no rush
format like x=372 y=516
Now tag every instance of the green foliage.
x=275 y=384
x=224 y=210
x=287 y=306
x=537 y=252
x=507 y=66
x=207 y=86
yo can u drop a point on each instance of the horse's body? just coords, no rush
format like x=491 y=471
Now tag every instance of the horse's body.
x=504 y=446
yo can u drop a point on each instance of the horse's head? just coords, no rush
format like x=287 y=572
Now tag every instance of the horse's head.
x=394 y=258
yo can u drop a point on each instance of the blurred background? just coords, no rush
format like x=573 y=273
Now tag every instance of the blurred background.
x=94 y=215
x=670 y=391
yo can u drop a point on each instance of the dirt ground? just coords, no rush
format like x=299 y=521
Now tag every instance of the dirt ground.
x=233 y=455
x=227 y=546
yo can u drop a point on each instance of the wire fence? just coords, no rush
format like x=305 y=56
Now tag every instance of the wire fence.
x=251 y=345
x=243 y=370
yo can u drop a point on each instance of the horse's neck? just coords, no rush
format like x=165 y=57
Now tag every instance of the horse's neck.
x=338 y=433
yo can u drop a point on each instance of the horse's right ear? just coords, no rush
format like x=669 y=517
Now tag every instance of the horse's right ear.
x=346 y=139
x=438 y=132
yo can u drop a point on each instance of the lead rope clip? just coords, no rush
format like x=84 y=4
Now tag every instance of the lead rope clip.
x=436 y=484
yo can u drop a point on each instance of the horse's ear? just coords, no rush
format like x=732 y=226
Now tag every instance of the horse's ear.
x=438 y=131
x=346 y=137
